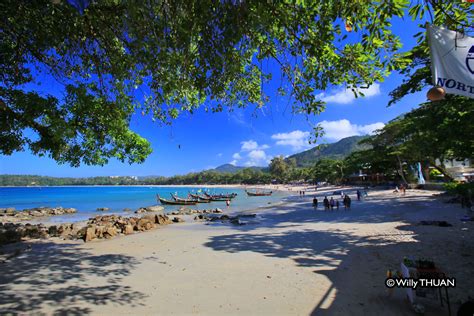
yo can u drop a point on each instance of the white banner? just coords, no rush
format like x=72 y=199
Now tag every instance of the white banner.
x=452 y=60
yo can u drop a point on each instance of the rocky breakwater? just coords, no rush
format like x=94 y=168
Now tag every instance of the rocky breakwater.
x=99 y=227
x=148 y=209
x=14 y=232
x=242 y=219
x=188 y=211
x=7 y=214
x=109 y=226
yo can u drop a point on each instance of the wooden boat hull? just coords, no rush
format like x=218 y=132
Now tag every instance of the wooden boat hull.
x=200 y=199
x=221 y=196
x=168 y=202
x=259 y=194
x=178 y=199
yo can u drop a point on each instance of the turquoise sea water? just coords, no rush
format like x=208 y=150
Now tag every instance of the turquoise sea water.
x=87 y=199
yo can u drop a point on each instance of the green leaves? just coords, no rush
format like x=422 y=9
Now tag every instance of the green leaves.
x=184 y=54
x=435 y=130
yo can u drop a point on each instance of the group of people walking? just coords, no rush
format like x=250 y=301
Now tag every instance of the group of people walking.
x=330 y=204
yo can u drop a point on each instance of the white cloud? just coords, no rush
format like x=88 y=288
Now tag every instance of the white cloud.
x=335 y=130
x=257 y=158
x=370 y=128
x=236 y=156
x=346 y=96
x=251 y=154
x=296 y=139
x=250 y=145
x=219 y=155
x=235 y=159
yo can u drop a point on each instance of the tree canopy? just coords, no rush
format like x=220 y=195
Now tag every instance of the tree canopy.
x=182 y=54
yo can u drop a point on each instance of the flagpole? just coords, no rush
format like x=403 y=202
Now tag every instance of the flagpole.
x=433 y=68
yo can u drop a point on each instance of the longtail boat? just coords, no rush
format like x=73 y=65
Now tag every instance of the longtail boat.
x=200 y=199
x=168 y=202
x=256 y=193
x=221 y=196
x=215 y=199
x=194 y=199
x=210 y=198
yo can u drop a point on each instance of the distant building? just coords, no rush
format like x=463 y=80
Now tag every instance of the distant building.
x=460 y=170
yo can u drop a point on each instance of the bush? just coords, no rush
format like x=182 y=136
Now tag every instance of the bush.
x=459 y=188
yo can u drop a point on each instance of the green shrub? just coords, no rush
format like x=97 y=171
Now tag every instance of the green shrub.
x=459 y=188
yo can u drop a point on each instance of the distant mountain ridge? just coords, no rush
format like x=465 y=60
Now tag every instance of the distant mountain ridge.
x=230 y=168
x=337 y=150
x=308 y=158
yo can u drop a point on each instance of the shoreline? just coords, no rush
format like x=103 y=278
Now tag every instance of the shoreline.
x=81 y=214
x=262 y=186
x=296 y=260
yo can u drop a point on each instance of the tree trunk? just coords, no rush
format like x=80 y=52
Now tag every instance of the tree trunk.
x=426 y=171
x=443 y=171
x=400 y=171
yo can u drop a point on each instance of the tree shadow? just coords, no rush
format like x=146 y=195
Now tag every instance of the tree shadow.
x=356 y=265
x=57 y=277
x=370 y=210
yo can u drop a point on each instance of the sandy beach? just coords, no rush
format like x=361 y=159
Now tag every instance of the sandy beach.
x=295 y=261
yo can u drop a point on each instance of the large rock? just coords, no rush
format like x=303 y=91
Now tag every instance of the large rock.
x=66 y=231
x=81 y=232
x=151 y=217
x=32 y=231
x=69 y=210
x=128 y=229
x=144 y=224
x=155 y=208
x=110 y=231
x=9 y=235
x=103 y=209
x=163 y=220
x=99 y=231
x=37 y=213
x=158 y=219
x=53 y=231
x=90 y=233
x=8 y=211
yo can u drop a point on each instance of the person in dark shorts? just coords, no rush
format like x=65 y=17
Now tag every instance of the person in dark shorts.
x=315 y=202
x=347 y=202
x=326 y=203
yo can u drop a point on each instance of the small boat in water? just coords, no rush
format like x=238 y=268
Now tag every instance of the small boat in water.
x=169 y=202
x=194 y=199
x=259 y=193
x=224 y=197
x=200 y=199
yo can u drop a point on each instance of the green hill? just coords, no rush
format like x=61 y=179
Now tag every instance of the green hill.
x=338 y=150
x=229 y=168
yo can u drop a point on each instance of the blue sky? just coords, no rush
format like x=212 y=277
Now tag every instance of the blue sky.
x=243 y=137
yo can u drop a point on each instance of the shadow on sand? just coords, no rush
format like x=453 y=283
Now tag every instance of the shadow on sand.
x=55 y=277
x=356 y=265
